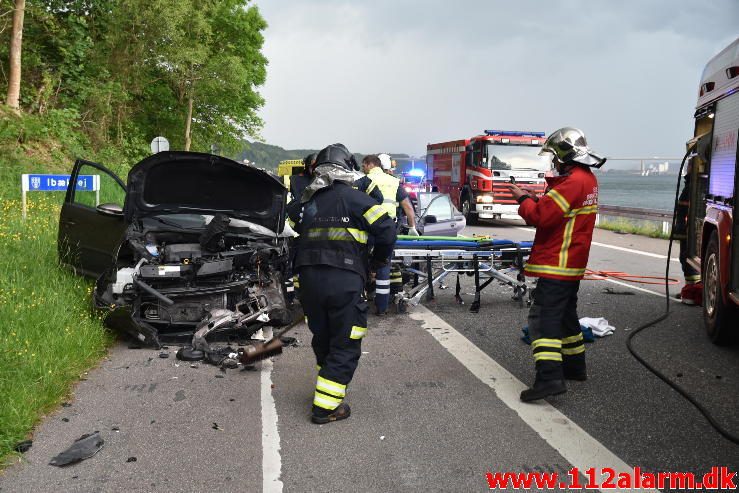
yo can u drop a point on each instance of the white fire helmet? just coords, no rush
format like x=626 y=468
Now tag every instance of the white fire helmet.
x=385 y=161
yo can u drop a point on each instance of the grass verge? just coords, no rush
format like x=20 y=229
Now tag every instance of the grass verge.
x=48 y=337
x=637 y=227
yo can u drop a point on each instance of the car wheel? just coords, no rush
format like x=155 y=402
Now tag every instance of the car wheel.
x=467 y=212
x=717 y=315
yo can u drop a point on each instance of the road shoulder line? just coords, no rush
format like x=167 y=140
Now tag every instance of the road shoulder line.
x=566 y=437
x=271 y=459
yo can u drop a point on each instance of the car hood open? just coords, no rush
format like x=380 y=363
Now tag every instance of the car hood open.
x=181 y=182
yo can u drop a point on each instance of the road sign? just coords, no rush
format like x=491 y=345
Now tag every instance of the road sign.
x=58 y=183
x=159 y=144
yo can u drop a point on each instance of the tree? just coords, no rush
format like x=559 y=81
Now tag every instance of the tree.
x=208 y=52
x=16 y=42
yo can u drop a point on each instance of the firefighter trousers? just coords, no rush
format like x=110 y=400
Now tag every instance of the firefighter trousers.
x=556 y=338
x=336 y=311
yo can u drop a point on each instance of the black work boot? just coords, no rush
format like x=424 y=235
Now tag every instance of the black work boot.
x=574 y=368
x=341 y=412
x=542 y=389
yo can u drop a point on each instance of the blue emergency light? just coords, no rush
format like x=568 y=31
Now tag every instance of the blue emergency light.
x=415 y=172
x=514 y=133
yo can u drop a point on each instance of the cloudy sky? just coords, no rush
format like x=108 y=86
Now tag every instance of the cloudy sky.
x=394 y=75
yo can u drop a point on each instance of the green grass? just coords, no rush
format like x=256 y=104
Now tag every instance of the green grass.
x=635 y=226
x=48 y=336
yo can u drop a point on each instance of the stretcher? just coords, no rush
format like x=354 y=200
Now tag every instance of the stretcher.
x=425 y=261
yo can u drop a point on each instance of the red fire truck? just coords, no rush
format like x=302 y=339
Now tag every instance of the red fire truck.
x=475 y=172
x=713 y=226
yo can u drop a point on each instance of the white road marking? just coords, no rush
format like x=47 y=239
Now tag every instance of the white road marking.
x=271 y=459
x=572 y=442
x=614 y=247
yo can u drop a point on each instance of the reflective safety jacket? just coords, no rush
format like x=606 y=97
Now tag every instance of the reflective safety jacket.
x=364 y=184
x=388 y=185
x=334 y=227
x=564 y=218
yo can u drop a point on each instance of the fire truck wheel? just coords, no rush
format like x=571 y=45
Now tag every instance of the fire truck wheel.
x=717 y=315
x=467 y=211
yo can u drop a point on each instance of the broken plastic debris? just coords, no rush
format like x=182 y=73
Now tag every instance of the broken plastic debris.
x=83 y=448
x=131 y=459
x=215 y=426
x=263 y=317
x=229 y=363
x=23 y=446
x=382 y=437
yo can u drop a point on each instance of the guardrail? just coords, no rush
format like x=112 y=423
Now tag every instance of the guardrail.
x=657 y=215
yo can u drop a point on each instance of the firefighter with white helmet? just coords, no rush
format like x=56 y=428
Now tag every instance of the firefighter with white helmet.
x=394 y=195
x=564 y=218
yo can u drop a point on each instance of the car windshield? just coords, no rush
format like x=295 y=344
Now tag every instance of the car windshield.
x=514 y=157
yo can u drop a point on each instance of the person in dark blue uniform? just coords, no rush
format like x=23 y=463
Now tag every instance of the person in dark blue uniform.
x=335 y=223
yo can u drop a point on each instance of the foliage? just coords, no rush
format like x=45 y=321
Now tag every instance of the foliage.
x=49 y=336
x=126 y=70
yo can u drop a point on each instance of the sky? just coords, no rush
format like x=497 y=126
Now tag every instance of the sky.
x=394 y=75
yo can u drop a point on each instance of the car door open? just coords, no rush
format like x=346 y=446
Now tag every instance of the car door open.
x=91 y=222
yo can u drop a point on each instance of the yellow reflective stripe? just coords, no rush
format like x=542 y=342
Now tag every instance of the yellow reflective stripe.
x=325 y=401
x=338 y=234
x=358 y=234
x=550 y=269
x=590 y=209
x=544 y=356
x=358 y=332
x=573 y=350
x=571 y=339
x=371 y=187
x=374 y=213
x=555 y=343
x=318 y=367
x=559 y=200
x=564 y=252
x=330 y=387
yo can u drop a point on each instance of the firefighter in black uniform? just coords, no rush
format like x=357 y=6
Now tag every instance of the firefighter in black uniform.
x=299 y=182
x=335 y=221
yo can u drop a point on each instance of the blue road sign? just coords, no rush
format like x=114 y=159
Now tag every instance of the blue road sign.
x=58 y=183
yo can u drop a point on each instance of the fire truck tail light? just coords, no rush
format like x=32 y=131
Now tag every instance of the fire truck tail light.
x=408 y=189
x=485 y=199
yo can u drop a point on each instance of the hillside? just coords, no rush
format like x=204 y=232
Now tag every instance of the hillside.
x=269 y=156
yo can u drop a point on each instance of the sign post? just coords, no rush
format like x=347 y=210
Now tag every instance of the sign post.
x=159 y=144
x=57 y=183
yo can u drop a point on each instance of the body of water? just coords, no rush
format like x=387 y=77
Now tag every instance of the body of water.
x=649 y=192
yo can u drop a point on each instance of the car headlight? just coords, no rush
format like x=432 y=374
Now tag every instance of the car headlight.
x=485 y=199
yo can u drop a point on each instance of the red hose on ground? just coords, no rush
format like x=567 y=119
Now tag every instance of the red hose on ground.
x=601 y=275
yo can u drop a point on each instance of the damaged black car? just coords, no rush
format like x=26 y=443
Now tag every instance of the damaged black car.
x=193 y=248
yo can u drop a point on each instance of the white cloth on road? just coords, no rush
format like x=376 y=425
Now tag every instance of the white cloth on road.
x=599 y=326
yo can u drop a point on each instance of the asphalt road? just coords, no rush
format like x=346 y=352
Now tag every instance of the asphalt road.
x=434 y=403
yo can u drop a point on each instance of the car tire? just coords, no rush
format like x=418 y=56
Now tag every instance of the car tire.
x=717 y=315
x=467 y=212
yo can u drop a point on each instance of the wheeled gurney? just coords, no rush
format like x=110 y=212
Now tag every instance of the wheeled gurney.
x=425 y=261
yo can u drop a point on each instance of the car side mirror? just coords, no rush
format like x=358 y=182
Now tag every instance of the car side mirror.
x=114 y=210
x=429 y=219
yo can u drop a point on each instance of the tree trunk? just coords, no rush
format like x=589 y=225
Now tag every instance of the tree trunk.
x=16 y=41
x=188 y=141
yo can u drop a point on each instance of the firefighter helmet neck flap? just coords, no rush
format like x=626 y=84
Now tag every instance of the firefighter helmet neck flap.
x=333 y=163
x=569 y=146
